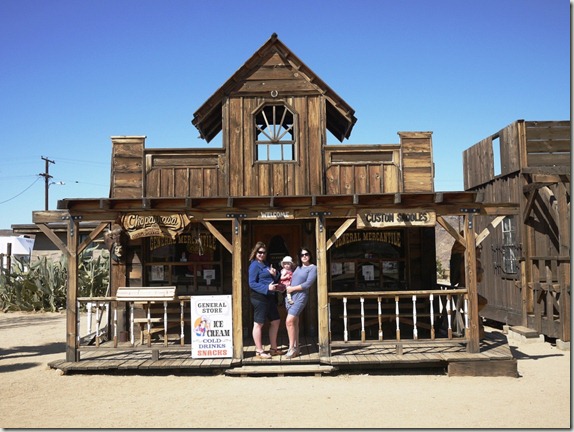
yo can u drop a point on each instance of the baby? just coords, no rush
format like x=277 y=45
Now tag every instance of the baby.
x=286 y=274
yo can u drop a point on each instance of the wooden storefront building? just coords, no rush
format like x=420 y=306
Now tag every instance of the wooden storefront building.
x=188 y=218
x=526 y=256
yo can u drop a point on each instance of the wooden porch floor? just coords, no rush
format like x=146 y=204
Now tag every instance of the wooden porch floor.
x=494 y=359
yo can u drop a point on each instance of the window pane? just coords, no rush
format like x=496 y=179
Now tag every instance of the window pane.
x=274 y=133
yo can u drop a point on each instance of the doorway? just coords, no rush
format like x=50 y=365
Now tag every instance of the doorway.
x=281 y=238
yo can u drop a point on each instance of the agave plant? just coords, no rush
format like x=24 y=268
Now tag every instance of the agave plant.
x=43 y=285
x=93 y=273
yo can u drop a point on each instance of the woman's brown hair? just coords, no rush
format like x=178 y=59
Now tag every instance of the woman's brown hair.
x=255 y=249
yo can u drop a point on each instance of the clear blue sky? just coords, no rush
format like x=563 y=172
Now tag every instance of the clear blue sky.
x=74 y=73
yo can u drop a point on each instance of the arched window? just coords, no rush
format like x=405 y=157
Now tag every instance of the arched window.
x=274 y=134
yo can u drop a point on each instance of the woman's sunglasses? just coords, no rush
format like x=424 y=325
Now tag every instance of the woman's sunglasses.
x=304 y=254
x=261 y=252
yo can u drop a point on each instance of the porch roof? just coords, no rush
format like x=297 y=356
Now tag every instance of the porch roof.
x=300 y=206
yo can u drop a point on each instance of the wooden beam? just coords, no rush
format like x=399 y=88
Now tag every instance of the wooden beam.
x=340 y=231
x=92 y=236
x=529 y=205
x=449 y=228
x=53 y=237
x=489 y=229
x=51 y=216
x=218 y=235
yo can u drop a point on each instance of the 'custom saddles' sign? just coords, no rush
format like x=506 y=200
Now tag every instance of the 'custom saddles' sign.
x=395 y=218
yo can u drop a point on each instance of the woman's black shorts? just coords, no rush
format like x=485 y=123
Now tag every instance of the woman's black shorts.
x=264 y=307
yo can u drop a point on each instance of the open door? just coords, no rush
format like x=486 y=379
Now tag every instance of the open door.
x=282 y=238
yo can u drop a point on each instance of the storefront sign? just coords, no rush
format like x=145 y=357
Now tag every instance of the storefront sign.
x=203 y=243
x=137 y=225
x=275 y=214
x=212 y=327
x=394 y=218
x=393 y=238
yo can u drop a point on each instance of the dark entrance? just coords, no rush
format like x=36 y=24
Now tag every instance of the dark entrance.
x=282 y=238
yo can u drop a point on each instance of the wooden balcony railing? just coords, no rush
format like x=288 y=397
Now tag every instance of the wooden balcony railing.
x=439 y=315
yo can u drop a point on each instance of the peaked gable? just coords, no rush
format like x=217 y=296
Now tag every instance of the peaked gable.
x=274 y=67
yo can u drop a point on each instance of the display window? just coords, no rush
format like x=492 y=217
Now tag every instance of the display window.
x=368 y=260
x=191 y=262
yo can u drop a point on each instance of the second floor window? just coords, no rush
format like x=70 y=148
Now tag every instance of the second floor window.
x=274 y=134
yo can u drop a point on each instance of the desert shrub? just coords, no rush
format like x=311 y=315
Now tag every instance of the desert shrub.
x=42 y=286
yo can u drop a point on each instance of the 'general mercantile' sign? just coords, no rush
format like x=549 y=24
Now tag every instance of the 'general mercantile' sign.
x=395 y=218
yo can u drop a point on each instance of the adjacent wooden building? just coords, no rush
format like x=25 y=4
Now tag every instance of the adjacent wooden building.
x=188 y=218
x=526 y=257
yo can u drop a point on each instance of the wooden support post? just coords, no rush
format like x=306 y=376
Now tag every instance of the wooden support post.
x=322 y=286
x=470 y=268
x=72 y=336
x=237 y=289
x=563 y=265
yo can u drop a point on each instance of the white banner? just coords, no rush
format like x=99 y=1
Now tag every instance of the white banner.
x=211 y=327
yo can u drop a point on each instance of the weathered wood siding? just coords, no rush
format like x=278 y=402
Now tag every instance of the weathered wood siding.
x=521 y=144
x=476 y=174
x=186 y=173
x=548 y=143
x=417 y=162
x=531 y=296
x=279 y=75
x=127 y=167
x=249 y=177
x=360 y=169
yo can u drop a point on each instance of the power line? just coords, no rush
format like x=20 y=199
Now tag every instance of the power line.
x=15 y=196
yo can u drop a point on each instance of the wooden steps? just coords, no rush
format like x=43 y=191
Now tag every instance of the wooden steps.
x=281 y=370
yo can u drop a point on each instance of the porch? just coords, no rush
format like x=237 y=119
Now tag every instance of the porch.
x=493 y=359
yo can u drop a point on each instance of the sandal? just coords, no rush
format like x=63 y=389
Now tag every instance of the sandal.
x=276 y=352
x=262 y=354
x=292 y=353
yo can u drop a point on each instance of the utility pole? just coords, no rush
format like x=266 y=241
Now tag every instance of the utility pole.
x=47 y=178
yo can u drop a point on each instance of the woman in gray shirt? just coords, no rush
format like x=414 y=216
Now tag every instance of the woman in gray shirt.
x=304 y=277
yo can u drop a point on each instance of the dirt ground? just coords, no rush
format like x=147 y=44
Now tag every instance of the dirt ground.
x=35 y=396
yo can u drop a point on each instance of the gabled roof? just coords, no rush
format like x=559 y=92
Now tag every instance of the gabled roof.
x=340 y=116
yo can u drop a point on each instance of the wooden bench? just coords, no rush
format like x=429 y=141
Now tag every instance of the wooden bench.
x=150 y=297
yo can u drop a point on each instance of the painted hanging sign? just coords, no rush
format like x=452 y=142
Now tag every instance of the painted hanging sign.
x=212 y=327
x=138 y=225
x=395 y=218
